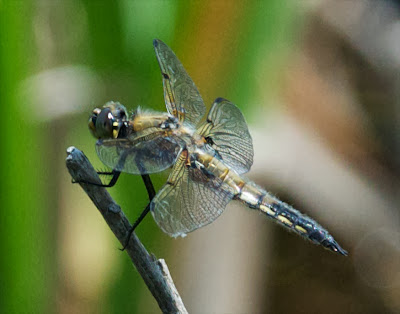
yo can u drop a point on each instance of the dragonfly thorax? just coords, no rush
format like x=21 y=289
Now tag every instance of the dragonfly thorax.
x=171 y=123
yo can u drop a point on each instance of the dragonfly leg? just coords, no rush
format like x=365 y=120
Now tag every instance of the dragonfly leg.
x=112 y=182
x=150 y=190
x=115 y=173
x=137 y=222
x=105 y=173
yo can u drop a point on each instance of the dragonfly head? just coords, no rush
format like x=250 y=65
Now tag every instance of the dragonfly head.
x=108 y=122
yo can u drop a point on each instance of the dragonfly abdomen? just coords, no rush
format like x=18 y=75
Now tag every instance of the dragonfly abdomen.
x=257 y=198
x=285 y=215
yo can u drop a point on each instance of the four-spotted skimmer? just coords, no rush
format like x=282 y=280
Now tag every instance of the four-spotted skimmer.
x=208 y=158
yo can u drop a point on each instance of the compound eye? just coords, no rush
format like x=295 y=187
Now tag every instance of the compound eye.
x=120 y=113
x=103 y=124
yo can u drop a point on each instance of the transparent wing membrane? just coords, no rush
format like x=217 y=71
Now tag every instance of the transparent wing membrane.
x=188 y=201
x=229 y=134
x=182 y=98
x=144 y=157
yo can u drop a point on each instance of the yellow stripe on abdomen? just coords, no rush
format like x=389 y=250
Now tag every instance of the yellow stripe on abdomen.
x=288 y=217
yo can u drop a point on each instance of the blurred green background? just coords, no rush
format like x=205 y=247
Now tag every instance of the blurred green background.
x=319 y=84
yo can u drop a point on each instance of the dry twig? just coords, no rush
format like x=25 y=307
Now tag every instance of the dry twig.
x=154 y=272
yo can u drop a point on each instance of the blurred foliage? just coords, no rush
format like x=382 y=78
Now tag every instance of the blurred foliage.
x=28 y=260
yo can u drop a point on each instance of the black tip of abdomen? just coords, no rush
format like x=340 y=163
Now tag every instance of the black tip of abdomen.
x=334 y=247
x=322 y=237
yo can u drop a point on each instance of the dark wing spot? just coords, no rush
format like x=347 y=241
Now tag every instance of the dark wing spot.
x=209 y=140
x=220 y=99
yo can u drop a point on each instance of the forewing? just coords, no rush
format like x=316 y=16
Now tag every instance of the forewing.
x=182 y=98
x=188 y=201
x=229 y=134
x=143 y=157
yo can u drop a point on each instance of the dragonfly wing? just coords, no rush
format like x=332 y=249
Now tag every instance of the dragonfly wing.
x=182 y=98
x=143 y=157
x=188 y=201
x=227 y=132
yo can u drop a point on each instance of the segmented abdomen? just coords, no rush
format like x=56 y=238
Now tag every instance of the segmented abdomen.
x=255 y=197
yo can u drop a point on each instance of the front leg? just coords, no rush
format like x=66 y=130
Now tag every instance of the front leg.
x=112 y=182
x=152 y=193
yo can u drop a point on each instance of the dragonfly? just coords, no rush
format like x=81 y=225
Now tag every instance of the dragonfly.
x=208 y=156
